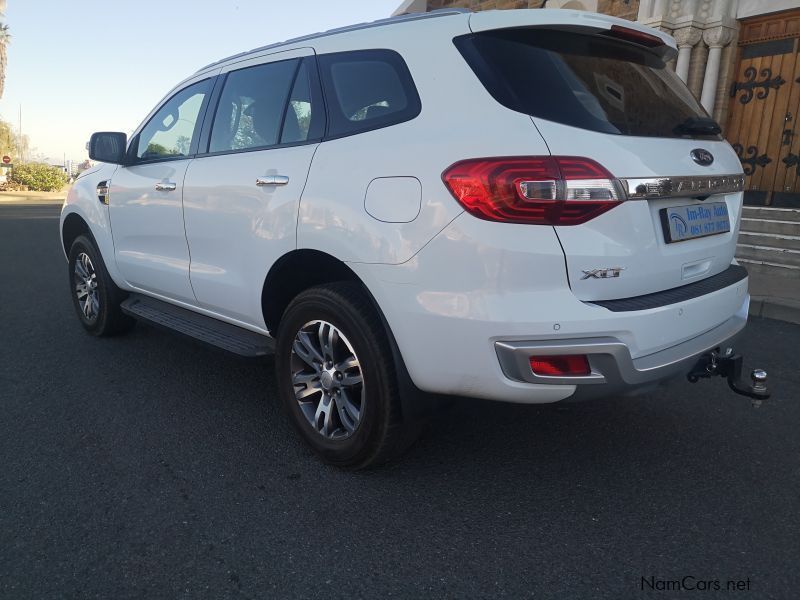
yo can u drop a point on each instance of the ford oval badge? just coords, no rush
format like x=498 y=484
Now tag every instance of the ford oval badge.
x=702 y=157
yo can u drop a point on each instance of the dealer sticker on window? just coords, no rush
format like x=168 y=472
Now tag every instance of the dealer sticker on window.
x=693 y=221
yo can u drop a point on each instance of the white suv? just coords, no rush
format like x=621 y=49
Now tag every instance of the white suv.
x=524 y=205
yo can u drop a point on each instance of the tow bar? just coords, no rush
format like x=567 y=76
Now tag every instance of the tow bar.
x=729 y=365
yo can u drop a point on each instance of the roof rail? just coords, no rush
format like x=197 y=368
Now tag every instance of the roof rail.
x=443 y=12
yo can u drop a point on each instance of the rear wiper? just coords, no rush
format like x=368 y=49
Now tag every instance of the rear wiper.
x=698 y=126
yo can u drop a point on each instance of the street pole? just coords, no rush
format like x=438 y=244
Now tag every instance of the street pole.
x=21 y=148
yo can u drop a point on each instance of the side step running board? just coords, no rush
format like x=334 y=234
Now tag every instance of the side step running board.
x=199 y=327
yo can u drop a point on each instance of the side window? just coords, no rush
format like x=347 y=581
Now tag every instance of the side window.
x=263 y=106
x=169 y=134
x=302 y=122
x=367 y=89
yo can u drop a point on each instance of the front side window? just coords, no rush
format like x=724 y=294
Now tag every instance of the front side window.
x=367 y=89
x=170 y=133
x=264 y=106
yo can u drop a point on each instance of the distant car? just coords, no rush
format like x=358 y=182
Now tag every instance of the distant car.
x=526 y=206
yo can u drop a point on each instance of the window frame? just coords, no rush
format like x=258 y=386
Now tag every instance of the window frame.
x=316 y=98
x=201 y=136
x=411 y=112
x=131 y=158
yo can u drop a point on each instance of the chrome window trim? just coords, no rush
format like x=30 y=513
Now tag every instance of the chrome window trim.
x=645 y=188
x=442 y=12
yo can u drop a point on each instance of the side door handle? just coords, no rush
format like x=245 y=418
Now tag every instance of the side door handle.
x=166 y=187
x=272 y=180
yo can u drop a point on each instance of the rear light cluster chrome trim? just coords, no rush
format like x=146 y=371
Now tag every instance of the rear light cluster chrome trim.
x=672 y=187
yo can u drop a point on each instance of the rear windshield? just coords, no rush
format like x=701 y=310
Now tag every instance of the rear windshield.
x=586 y=81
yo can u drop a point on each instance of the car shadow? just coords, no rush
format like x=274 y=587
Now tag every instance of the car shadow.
x=655 y=436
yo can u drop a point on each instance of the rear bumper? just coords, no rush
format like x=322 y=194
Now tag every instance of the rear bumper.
x=480 y=283
x=613 y=370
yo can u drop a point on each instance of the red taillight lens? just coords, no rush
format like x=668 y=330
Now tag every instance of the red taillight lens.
x=635 y=36
x=544 y=190
x=570 y=365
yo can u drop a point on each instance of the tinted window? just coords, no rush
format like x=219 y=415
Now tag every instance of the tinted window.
x=170 y=133
x=302 y=121
x=586 y=81
x=251 y=109
x=367 y=89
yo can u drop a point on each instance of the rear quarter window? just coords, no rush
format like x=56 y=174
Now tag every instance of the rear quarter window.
x=367 y=89
x=583 y=80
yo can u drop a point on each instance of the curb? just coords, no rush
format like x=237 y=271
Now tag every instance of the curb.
x=10 y=198
x=781 y=309
x=19 y=201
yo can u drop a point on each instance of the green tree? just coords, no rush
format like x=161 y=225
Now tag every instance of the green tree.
x=5 y=38
x=8 y=140
x=156 y=150
x=182 y=145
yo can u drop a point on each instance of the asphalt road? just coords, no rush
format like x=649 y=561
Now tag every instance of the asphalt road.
x=147 y=466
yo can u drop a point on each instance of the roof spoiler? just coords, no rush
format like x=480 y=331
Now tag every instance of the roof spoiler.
x=577 y=21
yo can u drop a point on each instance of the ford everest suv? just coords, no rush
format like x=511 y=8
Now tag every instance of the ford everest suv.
x=525 y=205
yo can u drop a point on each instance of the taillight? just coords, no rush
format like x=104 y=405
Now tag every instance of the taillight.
x=543 y=190
x=635 y=36
x=570 y=365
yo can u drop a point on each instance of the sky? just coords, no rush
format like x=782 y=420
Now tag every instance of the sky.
x=102 y=65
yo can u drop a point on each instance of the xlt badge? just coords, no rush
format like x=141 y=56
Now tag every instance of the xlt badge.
x=602 y=273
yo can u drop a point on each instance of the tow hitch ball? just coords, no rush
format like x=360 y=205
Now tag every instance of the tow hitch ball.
x=729 y=365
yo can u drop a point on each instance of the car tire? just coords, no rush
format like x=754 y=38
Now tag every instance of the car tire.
x=337 y=379
x=95 y=296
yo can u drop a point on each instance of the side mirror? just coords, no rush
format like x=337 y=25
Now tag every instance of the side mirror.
x=108 y=147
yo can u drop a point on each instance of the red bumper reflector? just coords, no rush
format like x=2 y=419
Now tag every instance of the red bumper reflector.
x=569 y=365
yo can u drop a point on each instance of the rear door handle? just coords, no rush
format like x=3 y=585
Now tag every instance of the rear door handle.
x=166 y=187
x=272 y=180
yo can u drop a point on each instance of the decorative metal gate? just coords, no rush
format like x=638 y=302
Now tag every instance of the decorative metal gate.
x=764 y=116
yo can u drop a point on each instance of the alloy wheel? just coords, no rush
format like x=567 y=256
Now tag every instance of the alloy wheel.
x=85 y=280
x=327 y=380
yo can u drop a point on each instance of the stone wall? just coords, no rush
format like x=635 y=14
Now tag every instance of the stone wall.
x=619 y=8
x=483 y=4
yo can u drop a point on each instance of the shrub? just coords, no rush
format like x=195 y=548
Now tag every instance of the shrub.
x=38 y=177
x=11 y=186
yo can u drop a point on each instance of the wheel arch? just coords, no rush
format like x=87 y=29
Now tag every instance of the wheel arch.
x=301 y=269
x=74 y=225
x=94 y=224
x=294 y=272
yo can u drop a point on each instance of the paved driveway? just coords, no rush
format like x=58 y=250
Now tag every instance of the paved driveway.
x=148 y=467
